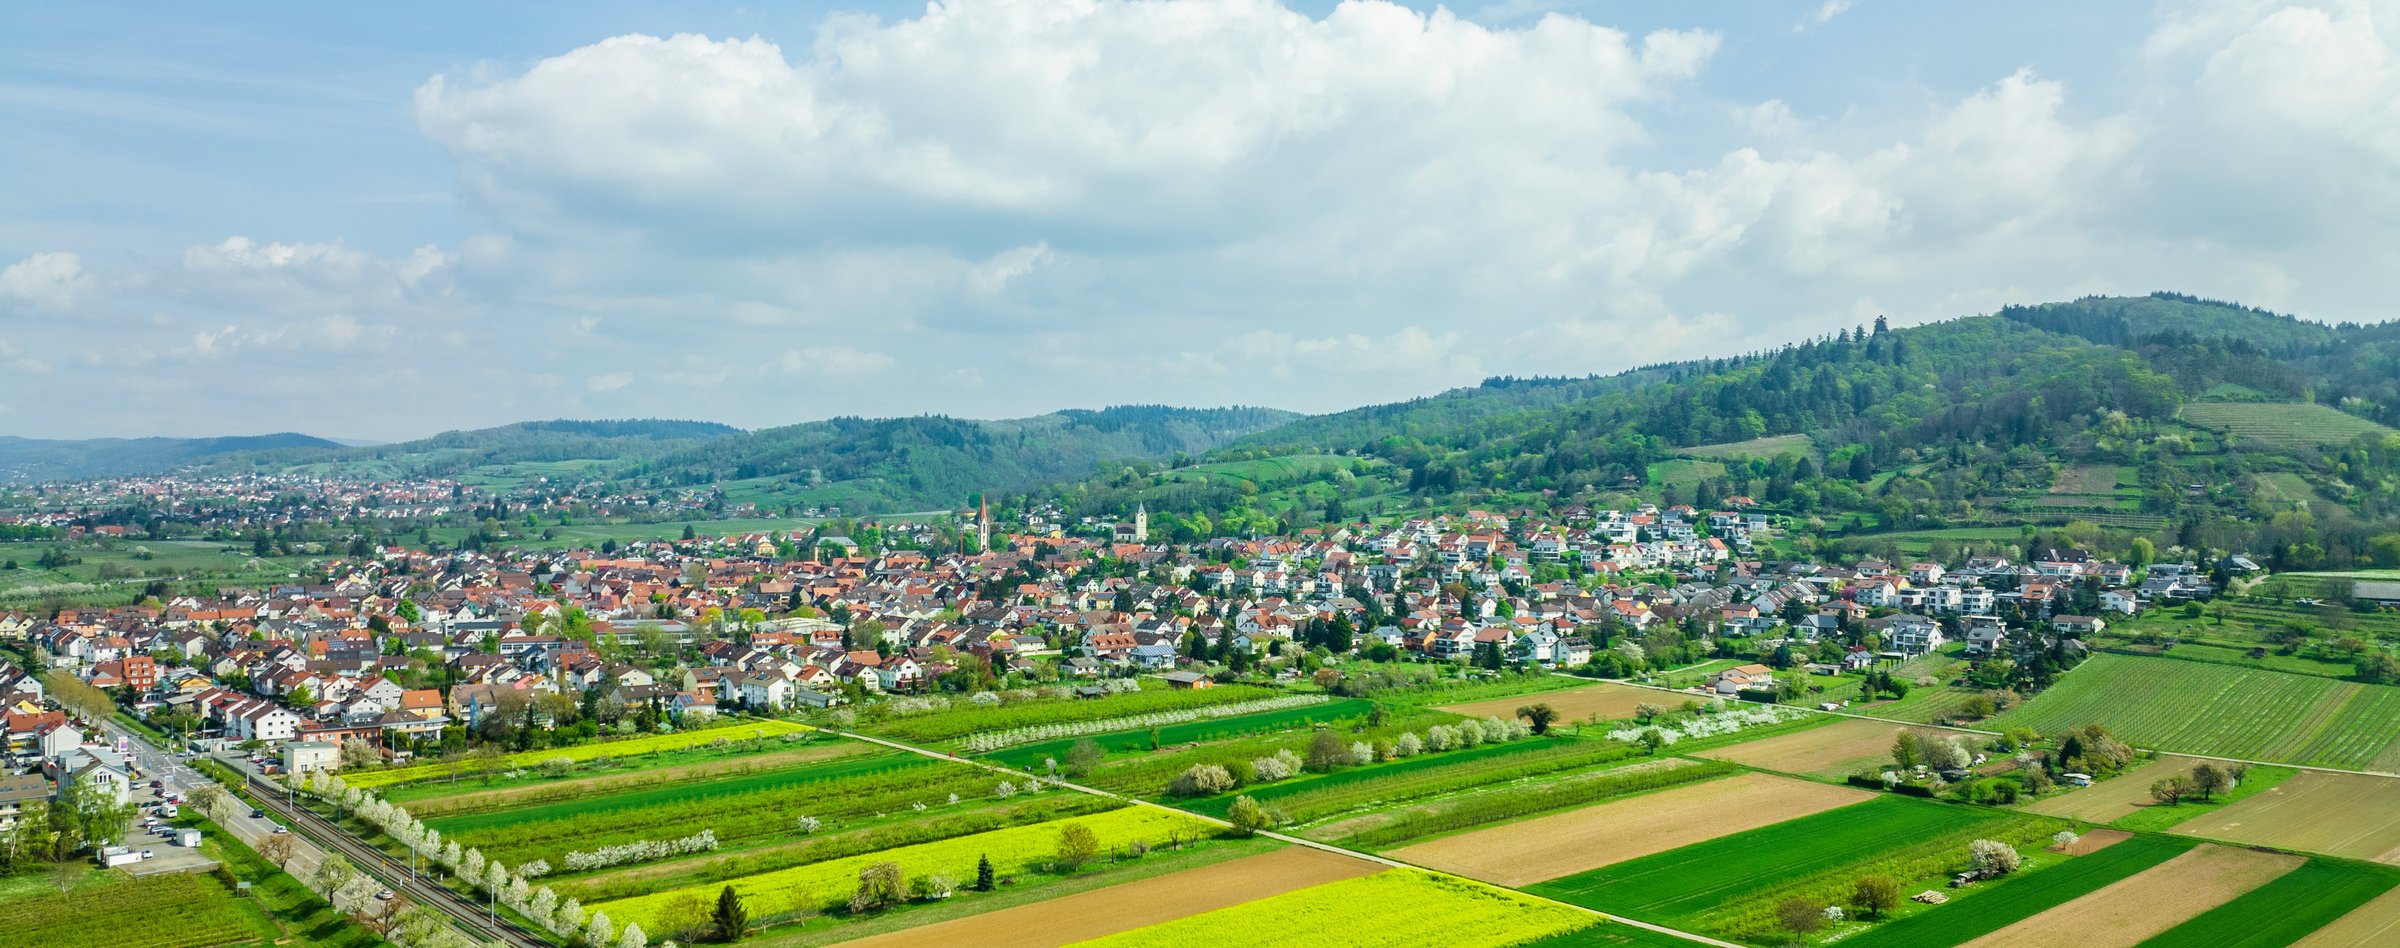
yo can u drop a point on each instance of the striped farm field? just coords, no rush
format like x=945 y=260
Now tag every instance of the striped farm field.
x=2223 y=711
x=1189 y=732
x=2337 y=814
x=164 y=911
x=2132 y=910
x=1992 y=906
x=630 y=747
x=1014 y=851
x=2285 y=425
x=1612 y=702
x=2372 y=925
x=1397 y=907
x=1834 y=750
x=1730 y=886
x=2285 y=910
x=1118 y=908
x=1574 y=841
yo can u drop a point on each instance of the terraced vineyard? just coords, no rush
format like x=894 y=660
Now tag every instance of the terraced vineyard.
x=2282 y=425
x=2225 y=711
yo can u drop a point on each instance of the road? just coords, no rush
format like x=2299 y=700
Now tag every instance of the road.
x=313 y=834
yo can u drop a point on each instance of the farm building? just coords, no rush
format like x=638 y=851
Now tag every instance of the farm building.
x=2381 y=593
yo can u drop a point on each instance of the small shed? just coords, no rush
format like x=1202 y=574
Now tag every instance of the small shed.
x=1186 y=679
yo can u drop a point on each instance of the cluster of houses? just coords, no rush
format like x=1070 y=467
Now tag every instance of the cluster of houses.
x=399 y=647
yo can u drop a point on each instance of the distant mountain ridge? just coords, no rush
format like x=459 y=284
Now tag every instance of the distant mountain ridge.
x=33 y=459
x=859 y=464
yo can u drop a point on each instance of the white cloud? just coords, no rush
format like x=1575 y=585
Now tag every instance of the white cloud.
x=1169 y=121
x=1007 y=266
x=1228 y=200
x=49 y=281
x=1823 y=14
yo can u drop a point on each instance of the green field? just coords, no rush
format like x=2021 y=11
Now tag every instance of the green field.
x=1398 y=907
x=1992 y=906
x=705 y=791
x=1032 y=756
x=2162 y=818
x=964 y=718
x=184 y=910
x=1767 y=447
x=2281 y=425
x=2223 y=711
x=1686 y=882
x=733 y=730
x=118 y=571
x=1684 y=472
x=2282 y=911
x=1317 y=795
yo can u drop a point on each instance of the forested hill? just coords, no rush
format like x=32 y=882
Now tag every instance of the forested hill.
x=29 y=459
x=936 y=461
x=2168 y=416
x=456 y=453
x=861 y=464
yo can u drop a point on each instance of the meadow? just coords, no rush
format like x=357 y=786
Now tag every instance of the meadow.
x=2223 y=711
x=1397 y=907
x=1767 y=447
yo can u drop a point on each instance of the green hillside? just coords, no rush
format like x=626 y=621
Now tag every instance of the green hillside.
x=860 y=464
x=2184 y=421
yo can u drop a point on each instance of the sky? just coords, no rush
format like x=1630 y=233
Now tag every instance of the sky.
x=382 y=221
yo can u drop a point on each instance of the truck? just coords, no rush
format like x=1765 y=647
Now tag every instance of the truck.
x=187 y=838
x=118 y=856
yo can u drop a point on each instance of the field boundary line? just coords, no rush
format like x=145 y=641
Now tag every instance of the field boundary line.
x=1270 y=834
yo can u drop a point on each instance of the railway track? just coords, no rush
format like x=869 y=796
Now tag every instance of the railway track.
x=474 y=918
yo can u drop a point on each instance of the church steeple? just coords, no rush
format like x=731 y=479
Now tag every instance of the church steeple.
x=1141 y=523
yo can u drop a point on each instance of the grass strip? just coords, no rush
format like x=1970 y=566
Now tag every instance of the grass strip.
x=1992 y=906
x=2282 y=911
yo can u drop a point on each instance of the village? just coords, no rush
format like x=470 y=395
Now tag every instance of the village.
x=407 y=652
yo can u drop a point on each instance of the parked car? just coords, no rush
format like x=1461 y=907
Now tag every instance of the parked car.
x=147 y=854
